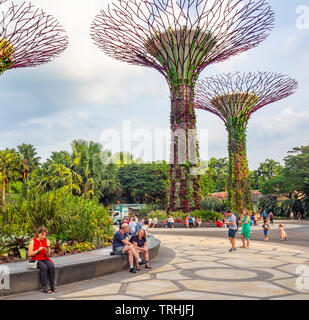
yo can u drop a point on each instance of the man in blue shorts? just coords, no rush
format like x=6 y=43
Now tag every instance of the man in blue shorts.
x=231 y=222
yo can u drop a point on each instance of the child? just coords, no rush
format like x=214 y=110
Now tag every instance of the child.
x=283 y=235
x=199 y=222
x=266 y=230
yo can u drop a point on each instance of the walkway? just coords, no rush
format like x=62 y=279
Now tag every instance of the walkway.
x=190 y=267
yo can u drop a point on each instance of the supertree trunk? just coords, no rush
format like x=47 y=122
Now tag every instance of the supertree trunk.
x=183 y=175
x=239 y=194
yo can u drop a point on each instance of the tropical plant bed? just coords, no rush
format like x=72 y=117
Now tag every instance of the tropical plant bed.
x=58 y=249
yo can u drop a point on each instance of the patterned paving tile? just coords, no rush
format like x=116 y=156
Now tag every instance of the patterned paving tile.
x=151 y=287
x=292 y=259
x=260 y=289
x=171 y=275
x=258 y=263
x=277 y=274
x=226 y=273
x=145 y=276
x=111 y=288
x=199 y=264
x=167 y=267
x=203 y=258
x=195 y=295
x=292 y=283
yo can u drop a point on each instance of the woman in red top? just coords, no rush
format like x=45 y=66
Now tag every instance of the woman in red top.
x=39 y=249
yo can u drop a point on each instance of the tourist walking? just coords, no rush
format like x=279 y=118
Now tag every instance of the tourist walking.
x=264 y=215
x=292 y=215
x=283 y=235
x=199 y=222
x=38 y=251
x=252 y=219
x=245 y=229
x=271 y=217
x=231 y=223
x=187 y=221
x=191 y=222
x=266 y=229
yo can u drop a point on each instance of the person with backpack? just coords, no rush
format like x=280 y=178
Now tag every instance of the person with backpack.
x=191 y=223
x=132 y=227
x=271 y=218
x=264 y=215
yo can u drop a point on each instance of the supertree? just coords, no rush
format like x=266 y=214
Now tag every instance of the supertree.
x=28 y=36
x=179 y=38
x=234 y=98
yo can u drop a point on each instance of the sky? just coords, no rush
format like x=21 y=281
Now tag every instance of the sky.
x=83 y=94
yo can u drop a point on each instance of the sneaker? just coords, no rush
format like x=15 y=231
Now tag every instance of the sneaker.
x=231 y=250
x=132 y=270
x=142 y=262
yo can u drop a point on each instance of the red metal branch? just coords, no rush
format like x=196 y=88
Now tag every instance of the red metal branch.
x=232 y=95
x=31 y=36
x=128 y=30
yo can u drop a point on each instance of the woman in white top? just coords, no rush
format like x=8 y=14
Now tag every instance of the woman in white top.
x=170 y=222
x=146 y=227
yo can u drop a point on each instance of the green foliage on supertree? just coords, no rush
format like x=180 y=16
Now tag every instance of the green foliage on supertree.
x=6 y=52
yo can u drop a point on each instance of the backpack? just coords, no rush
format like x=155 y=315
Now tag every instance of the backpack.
x=132 y=229
x=138 y=227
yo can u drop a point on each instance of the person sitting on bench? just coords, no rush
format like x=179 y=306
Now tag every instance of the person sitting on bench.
x=122 y=246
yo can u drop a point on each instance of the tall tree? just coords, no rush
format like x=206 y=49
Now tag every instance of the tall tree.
x=266 y=170
x=29 y=160
x=8 y=161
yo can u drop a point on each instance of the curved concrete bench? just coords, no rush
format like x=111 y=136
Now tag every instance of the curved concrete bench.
x=73 y=268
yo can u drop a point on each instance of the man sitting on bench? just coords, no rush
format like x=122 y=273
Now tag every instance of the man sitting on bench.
x=122 y=246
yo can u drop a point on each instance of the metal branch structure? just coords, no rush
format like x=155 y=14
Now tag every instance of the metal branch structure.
x=234 y=98
x=179 y=38
x=28 y=36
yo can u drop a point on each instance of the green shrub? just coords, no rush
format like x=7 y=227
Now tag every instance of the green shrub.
x=269 y=205
x=64 y=215
x=149 y=209
x=208 y=215
x=212 y=204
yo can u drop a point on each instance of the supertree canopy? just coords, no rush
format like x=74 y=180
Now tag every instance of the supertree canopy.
x=179 y=38
x=28 y=36
x=234 y=98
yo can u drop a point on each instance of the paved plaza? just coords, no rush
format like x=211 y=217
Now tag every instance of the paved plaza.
x=201 y=268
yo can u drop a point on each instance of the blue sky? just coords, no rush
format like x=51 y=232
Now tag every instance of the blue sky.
x=83 y=92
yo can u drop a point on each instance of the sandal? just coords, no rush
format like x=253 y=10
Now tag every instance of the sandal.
x=45 y=290
x=54 y=290
x=147 y=266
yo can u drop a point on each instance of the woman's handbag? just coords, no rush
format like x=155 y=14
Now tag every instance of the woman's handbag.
x=32 y=264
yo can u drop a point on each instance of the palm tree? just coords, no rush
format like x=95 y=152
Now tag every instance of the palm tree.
x=29 y=160
x=122 y=158
x=13 y=172
x=7 y=161
x=58 y=176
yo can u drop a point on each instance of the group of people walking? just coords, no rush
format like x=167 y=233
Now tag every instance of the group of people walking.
x=246 y=222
